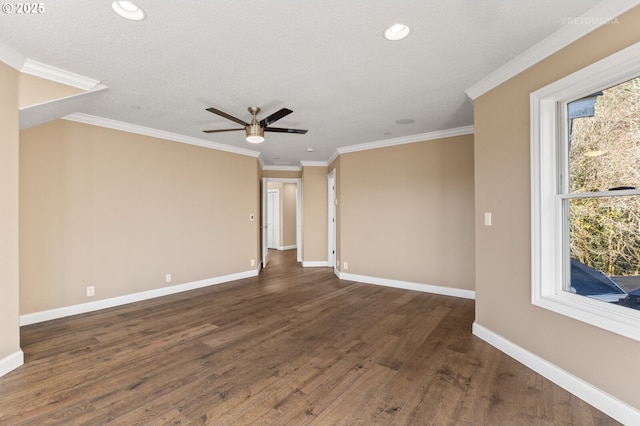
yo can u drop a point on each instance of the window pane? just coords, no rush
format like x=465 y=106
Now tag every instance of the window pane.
x=605 y=248
x=604 y=139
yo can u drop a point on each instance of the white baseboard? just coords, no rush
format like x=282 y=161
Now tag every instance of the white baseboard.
x=11 y=362
x=604 y=402
x=129 y=298
x=407 y=285
x=314 y=263
x=288 y=247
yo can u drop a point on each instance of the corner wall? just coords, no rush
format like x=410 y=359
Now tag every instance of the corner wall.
x=503 y=251
x=10 y=353
x=314 y=216
x=405 y=213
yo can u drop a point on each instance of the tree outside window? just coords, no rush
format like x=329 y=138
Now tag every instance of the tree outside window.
x=600 y=195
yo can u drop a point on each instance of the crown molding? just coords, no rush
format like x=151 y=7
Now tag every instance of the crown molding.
x=333 y=157
x=161 y=134
x=283 y=168
x=58 y=75
x=314 y=163
x=422 y=137
x=601 y=14
x=175 y=137
x=261 y=162
x=11 y=57
x=16 y=60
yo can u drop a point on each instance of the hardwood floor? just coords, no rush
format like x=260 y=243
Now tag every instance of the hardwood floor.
x=292 y=346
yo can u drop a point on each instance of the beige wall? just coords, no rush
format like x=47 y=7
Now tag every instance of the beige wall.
x=119 y=211
x=9 y=314
x=314 y=214
x=406 y=212
x=281 y=174
x=503 y=284
x=288 y=205
x=35 y=90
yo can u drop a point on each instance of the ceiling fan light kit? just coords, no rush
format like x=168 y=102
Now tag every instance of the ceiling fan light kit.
x=255 y=134
x=255 y=130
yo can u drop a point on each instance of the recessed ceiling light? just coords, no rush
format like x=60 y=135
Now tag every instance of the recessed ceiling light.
x=309 y=149
x=406 y=121
x=396 y=32
x=128 y=10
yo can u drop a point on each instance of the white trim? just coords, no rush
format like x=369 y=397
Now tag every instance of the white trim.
x=11 y=57
x=11 y=362
x=407 y=285
x=422 y=137
x=601 y=400
x=288 y=247
x=299 y=220
x=261 y=162
x=58 y=75
x=154 y=133
x=264 y=200
x=130 y=298
x=331 y=218
x=601 y=14
x=314 y=163
x=285 y=180
x=314 y=263
x=283 y=168
x=547 y=245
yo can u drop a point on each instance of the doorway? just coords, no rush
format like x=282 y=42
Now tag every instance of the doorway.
x=297 y=212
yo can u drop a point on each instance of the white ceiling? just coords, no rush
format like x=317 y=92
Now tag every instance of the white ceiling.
x=326 y=60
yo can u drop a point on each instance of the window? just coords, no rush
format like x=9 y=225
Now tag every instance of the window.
x=585 y=177
x=603 y=170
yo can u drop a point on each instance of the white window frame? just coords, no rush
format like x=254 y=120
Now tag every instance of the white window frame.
x=548 y=245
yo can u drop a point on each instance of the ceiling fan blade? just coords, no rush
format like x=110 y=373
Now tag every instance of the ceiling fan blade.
x=275 y=117
x=282 y=130
x=221 y=130
x=227 y=116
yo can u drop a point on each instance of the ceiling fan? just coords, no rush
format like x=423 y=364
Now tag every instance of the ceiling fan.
x=255 y=130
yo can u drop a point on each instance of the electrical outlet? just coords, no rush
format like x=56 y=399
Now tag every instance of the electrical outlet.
x=346 y=266
x=167 y=278
x=253 y=262
x=91 y=291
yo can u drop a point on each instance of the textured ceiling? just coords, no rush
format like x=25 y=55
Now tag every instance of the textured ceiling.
x=326 y=60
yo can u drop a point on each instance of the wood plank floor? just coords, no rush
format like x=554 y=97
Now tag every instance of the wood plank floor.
x=293 y=346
